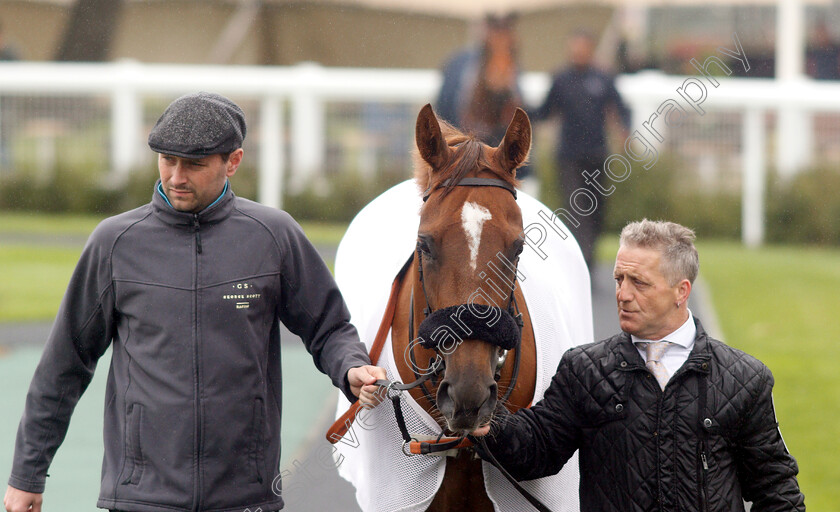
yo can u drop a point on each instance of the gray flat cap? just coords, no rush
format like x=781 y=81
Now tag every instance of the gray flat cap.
x=199 y=125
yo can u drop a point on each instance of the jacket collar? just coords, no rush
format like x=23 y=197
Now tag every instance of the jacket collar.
x=216 y=212
x=698 y=359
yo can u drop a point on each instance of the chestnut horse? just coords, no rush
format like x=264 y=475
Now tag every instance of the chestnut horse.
x=462 y=229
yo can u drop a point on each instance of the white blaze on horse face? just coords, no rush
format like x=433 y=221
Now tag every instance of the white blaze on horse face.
x=473 y=216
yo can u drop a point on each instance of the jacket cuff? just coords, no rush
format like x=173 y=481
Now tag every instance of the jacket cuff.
x=26 y=485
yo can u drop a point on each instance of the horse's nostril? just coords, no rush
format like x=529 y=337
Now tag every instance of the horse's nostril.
x=443 y=390
x=489 y=405
x=444 y=401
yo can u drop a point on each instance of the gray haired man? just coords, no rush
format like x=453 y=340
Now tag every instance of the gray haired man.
x=664 y=416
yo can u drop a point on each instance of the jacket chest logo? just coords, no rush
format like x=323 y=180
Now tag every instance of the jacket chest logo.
x=242 y=294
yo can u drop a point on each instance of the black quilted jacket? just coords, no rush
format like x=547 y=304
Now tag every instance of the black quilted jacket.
x=706 y=443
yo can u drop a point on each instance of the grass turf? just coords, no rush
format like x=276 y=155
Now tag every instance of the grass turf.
x=46 y=224
x=34 y=279
x=778 y=304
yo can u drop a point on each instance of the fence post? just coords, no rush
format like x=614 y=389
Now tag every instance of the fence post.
x=308 y=126
x=4 y=158
x=754 y=168
x=126 y=121
x=271 y=169
x=794 y=138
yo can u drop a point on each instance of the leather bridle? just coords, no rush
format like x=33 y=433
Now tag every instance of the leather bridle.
x=437 y=364
x=470 y=182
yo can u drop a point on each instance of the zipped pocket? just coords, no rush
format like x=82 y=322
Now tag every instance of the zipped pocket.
x=703 y=470
x=134 y=455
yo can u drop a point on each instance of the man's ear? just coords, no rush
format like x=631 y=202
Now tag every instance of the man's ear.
x=234 y=159
x=683 y=291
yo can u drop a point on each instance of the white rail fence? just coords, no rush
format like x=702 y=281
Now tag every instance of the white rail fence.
x=295 y=107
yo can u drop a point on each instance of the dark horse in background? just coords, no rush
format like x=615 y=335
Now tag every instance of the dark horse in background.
x=480 y=90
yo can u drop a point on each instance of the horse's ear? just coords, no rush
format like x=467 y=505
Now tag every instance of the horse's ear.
x=514 y=149
x=430 y=142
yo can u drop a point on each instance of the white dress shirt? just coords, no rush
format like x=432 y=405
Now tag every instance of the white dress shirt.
x=676 y=355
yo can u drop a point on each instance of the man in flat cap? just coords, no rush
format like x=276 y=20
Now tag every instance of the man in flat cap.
x=189 y=290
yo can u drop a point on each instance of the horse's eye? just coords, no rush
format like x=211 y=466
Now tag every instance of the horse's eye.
x=518 y=246
x=423 y=245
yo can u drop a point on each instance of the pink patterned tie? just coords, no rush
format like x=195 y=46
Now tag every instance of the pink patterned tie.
x=654 y=351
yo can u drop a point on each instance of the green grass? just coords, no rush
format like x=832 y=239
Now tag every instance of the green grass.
x=780 y=305
x=47 y=224
x=321 y=233
x=34 y=279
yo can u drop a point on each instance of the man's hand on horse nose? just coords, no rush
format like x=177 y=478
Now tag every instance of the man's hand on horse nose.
x=361 y=380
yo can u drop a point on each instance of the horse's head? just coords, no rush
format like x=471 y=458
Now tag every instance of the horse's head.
x=468 y=245
x=499 y=54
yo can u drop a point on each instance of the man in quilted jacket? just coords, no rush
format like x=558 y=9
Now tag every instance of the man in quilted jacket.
x=664 y=417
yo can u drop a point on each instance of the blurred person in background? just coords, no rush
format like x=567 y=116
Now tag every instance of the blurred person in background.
x=189 y=291
x=823 y=55
x=583 y=97
x=7 y=51
x=480 y=89
x=664 y=416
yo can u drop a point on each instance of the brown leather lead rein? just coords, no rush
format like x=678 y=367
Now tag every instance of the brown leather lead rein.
x=342 y=424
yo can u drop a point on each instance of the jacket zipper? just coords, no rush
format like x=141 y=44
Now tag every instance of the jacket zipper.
x=197 y=412
x=702 y=387
x=703 y=473
x=197 y=234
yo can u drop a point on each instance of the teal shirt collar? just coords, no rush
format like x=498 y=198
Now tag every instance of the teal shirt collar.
x=160 y=191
